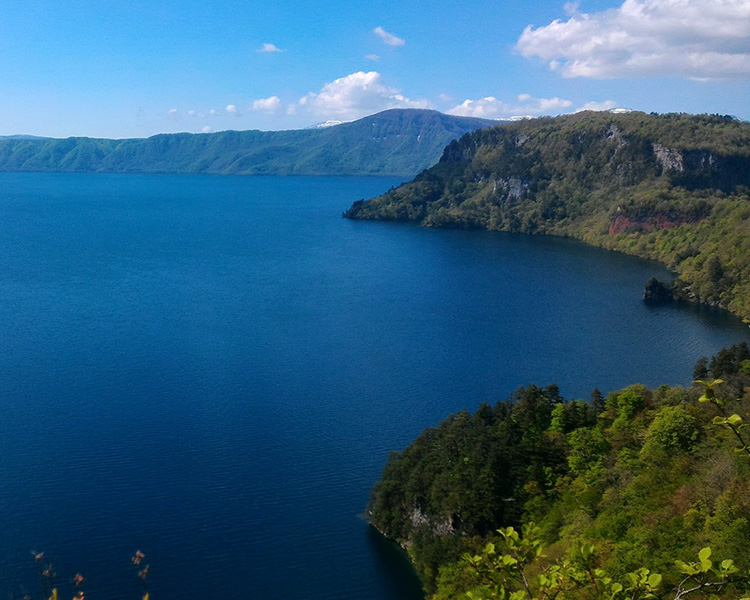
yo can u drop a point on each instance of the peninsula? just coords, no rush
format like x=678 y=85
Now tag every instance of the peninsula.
x=673 y=188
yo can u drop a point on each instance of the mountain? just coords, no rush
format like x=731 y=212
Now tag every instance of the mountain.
x=20 y=136
x=674 y=188
x=391 y=143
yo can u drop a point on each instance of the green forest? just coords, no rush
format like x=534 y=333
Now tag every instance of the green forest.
x=643 y=493
x=673 y=188
x=398 y=142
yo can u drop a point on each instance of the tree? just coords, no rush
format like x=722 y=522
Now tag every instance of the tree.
x=673 y=430
x=503 y=570
x=732 y=422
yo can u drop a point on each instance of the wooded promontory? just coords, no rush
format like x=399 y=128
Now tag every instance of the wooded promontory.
x=674 y=188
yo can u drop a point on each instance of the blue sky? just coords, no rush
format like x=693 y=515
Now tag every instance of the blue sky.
x=137 y=68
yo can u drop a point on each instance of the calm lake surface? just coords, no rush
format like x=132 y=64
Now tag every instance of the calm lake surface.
x=214 y=369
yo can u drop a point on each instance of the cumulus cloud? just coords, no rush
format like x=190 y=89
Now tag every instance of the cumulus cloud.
x=698 y=39
x=543 y=105
x=487 y=108
x=206 y=129
x=270 y=105
x=598 y=106
x=492 y=108
x=355 y=96
x=388 y=38
x=233 y=110
x=372 y=57
x=269 y=48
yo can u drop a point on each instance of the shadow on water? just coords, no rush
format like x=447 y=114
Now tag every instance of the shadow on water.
x=402 y=581
x=709 y=316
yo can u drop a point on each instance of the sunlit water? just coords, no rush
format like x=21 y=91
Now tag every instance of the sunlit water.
x=214 y=370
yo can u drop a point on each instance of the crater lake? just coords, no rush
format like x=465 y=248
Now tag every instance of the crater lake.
x=213 y=370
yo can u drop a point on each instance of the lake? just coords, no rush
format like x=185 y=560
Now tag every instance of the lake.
x=213 y=370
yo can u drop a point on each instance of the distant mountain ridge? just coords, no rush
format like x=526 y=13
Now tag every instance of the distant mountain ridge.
x=398 y=142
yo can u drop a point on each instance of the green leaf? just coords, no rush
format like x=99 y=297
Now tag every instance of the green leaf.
x=654 y=580
x=586 y=550
x=704 y=554
x=686 y=568
x=728 y=565
x=719 y=421
x=734 y=419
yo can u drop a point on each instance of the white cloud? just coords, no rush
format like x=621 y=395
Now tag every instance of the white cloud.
x=270 y=105
x=698 y=39
x=355 y=96
x=269 y=48
x=571 y=8
x=206 y=129
x=542 y=105
x=388 y=38
x=233 y=110
x=492 y=108
x=212 y=112
x=173 y=114
x=487 y=108
x=598 y=106
x=372 y=57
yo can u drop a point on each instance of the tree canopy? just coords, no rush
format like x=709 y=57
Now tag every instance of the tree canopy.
x=647 y=477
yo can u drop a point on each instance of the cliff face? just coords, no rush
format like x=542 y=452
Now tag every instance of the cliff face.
x=594 y=149
x=664 y=187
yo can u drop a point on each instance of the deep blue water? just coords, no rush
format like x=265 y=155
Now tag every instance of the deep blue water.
x=213 y=370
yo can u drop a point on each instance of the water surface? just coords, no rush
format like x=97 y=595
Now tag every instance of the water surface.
x=214 y=369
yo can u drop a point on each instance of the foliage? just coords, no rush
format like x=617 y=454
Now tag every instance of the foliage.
x=673 y=188
x=504 y=570
x=648 y=477
x=732 y=422
x=673 y=430
x=393 y=143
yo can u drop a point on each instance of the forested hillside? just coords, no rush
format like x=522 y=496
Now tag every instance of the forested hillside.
x=674 y=188
x=644 y=477
x=399 y=142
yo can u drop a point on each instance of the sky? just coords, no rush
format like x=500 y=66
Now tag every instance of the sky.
x=134 y=69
